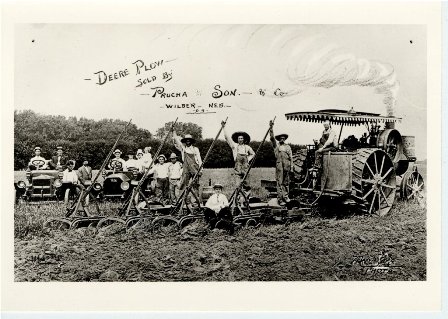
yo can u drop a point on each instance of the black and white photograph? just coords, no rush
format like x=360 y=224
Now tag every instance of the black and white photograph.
x=219 y=153
x=222 y=158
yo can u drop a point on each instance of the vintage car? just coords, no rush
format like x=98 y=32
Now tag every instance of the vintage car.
x=40 y=184
x=118 y=183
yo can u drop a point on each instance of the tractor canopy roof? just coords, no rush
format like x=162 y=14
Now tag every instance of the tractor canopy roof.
x=341 y=117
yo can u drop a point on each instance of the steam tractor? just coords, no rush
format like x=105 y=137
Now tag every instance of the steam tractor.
x=367 y=172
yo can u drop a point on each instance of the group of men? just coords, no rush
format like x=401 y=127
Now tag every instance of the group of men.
x=61 y=162
x=173 y=176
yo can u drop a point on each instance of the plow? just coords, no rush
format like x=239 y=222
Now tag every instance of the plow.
x=368 y=173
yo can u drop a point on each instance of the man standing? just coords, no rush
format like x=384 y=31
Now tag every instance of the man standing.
x=192 y=161
x=283 y=165
x=174 y=176
x=328 y=142
x=140 y=161
x=59 y=161
x=85 y=173
x=242 y=152
x=160 y=171
x=37 y=162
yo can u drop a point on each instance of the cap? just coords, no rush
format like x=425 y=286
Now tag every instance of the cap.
x=161 y=155
x=173 y=155
x=217 y=185
x=59 y=148
x=117 y=151
x=37 y=148
x=139 y=151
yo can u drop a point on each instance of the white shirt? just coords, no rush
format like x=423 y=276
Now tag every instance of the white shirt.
x=237 y=148
x=217 y=202
x=183 y=148
x=160 y=170
x=70 y=176
x=332 y=138
x=175 y=170
x=146 y=159
x=133 y=163
x=37 y=158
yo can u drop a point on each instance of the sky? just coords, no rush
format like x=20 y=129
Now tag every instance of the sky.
x=249 y=73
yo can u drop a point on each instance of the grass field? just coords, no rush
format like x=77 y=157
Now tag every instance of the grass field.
x=345 y=247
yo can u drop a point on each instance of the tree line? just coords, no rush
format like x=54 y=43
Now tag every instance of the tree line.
x=86 y=139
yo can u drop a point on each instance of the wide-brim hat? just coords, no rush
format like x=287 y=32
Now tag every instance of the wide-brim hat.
x=117 y=151
x=218 y=185
x=161 y=155
x=37 y=148
x=244 y=134
x=188 y=137
x=173 y=155
x=277 y=137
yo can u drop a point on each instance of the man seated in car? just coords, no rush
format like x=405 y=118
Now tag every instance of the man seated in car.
x=117 y=163
x=37 y=162
x=59 y=160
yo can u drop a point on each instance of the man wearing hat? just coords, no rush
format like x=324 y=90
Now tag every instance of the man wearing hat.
x=328 y=142
x=36 y=159
x=117 y=163
x=85 y=173
x=59 y=160
x=70 y=175
x=191 y=159
x=242 y=152
x=139 y=160
x=160 y=171
x=174 y=176
x=217 y=212
x=283 y=165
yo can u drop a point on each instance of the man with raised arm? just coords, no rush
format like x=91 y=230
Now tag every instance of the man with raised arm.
x=283 y=164
x=242 y=152
x=191 y=161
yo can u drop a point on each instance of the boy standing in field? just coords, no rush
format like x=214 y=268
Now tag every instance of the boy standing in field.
x=160 y=171
x=174 y=176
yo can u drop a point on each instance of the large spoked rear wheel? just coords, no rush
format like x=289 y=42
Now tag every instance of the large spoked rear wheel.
x=412 y=187
x=374 y=180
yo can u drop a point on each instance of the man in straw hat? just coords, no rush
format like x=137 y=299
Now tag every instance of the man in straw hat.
x=328 y=142
x=160 y=171
x=242 y=152
x=117 y=163
x=192 y=161
x=174 y=176
x=283 y=164
x=36 y=159
x=59 y=160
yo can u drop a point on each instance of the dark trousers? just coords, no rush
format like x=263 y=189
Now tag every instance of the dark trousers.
x=222 y=220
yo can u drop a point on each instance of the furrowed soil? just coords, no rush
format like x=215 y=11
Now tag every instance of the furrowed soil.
x=319 y=248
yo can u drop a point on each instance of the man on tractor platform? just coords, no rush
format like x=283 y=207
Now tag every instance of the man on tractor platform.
x=328 y=142
x=37 y=162
x=284 y=165
x=191 y=162
x=59 y=160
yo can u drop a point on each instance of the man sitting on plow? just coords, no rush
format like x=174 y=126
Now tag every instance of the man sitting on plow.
x=217 y=212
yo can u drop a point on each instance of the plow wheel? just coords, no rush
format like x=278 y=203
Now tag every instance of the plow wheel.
x=300 y=168
x=412 y=187
x=373 y=180
x=109 y=221
x=164 y=224
x=57 y=224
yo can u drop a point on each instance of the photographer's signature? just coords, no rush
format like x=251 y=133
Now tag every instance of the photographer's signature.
x=380 y=264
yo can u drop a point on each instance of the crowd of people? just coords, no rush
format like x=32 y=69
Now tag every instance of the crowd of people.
x=172 y=175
